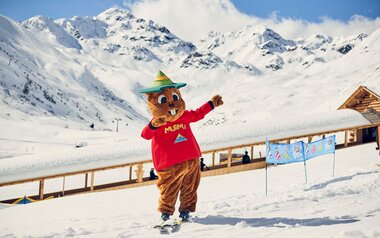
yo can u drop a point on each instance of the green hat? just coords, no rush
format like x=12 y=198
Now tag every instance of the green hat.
x=160 y=83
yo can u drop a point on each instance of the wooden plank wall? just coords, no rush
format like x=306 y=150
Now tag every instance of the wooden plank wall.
x=365 y=102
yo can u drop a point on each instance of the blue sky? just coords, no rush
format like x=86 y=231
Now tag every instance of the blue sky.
x=310 y=10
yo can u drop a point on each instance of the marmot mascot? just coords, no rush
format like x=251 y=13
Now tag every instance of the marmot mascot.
x=175 y=151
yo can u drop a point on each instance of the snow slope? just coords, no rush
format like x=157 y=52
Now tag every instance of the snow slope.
x=344 y=206
x=57 y=77
x=69 y=73
x=89 y=69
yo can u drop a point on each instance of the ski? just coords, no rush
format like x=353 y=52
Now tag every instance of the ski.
x=176 y=225
x=163 y=227
x=168 y=227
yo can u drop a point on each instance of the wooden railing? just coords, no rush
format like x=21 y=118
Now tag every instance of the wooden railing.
x=215 y=168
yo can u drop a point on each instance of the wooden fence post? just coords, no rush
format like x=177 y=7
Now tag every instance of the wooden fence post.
x=41 y=190
x=229 y=159
x=63 y=186
x=345 y=138
x=251 y=152
x=213 y=159
x=86 y=180
x=130 y=172
x=92 y=180
x=139 y=173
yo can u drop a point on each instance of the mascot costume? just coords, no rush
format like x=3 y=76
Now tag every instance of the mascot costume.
x=175 y=152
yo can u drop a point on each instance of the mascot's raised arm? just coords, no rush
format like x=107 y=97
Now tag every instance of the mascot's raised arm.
x=175 y=151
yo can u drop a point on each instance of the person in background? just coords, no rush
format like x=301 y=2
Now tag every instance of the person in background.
x=152 y=175
x=376 y=135
x=246 y=158
x=203 y=165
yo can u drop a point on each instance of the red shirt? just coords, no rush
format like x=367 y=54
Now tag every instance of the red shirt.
x=174 y=142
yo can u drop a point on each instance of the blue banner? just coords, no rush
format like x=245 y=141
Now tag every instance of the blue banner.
x=285 y=153
x=320 y=147
x=298 y=151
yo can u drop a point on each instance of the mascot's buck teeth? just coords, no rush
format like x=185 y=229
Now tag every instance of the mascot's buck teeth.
x=173 y=112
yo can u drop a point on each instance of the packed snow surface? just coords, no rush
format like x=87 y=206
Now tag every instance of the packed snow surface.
x=234 y=205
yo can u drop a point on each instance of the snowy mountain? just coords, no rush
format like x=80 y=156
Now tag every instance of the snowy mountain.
x=265 y=49
x=89 y=69
x=64 y=67
x=41 y=74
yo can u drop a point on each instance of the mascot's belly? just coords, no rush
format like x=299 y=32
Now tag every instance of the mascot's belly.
x=173 y=144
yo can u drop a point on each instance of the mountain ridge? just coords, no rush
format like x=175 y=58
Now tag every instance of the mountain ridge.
x=89 y=69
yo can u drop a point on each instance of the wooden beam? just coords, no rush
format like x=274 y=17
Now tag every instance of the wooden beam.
x=139 y=173
x=92 y=180
x=252 y=152
x=371 y=92
x=229 y=159
x=130 y=172
x=41 y=189
x=349 y=100
x=213 y=159
x=86 y=180
x=345 y=138
x=63 y=186
x=309 y=139
x=70 y=173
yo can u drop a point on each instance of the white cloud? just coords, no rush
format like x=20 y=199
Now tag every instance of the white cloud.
x=193 y=19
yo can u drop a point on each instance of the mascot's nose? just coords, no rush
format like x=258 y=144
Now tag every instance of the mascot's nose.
x=171 y=105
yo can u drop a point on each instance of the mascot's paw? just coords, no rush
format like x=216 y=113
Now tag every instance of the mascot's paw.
x=217 y=100
x=159 y=121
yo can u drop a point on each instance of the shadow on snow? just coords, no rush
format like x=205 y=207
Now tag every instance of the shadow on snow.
x=340 y=179
x=275 y=222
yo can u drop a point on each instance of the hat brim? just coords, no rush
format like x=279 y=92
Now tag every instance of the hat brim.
x=162 y=88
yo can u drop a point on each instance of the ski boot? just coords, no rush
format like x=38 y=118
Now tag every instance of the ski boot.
x=165 y=216
x=185 y=215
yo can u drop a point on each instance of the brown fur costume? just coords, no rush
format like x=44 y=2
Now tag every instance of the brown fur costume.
x=182 y=178
x=160 y=112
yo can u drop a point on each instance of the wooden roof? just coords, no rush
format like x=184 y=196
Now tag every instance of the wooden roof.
x=372 y=116
x=358 y=96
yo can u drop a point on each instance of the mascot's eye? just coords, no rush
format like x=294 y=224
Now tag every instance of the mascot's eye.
x=162 y=99
x=175 y=97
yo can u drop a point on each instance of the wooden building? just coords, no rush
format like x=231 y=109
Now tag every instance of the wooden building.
x=367 y=102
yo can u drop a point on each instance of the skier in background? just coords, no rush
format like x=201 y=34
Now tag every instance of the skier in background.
x=203 y=165
x=152 y=175
x=376 y=135
x=246 y=159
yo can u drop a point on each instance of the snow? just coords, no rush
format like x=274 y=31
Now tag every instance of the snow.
x=58 y=77
x=346 y=205
x=135 y=149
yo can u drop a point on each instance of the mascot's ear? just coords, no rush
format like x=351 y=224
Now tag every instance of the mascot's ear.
x=148 y=95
